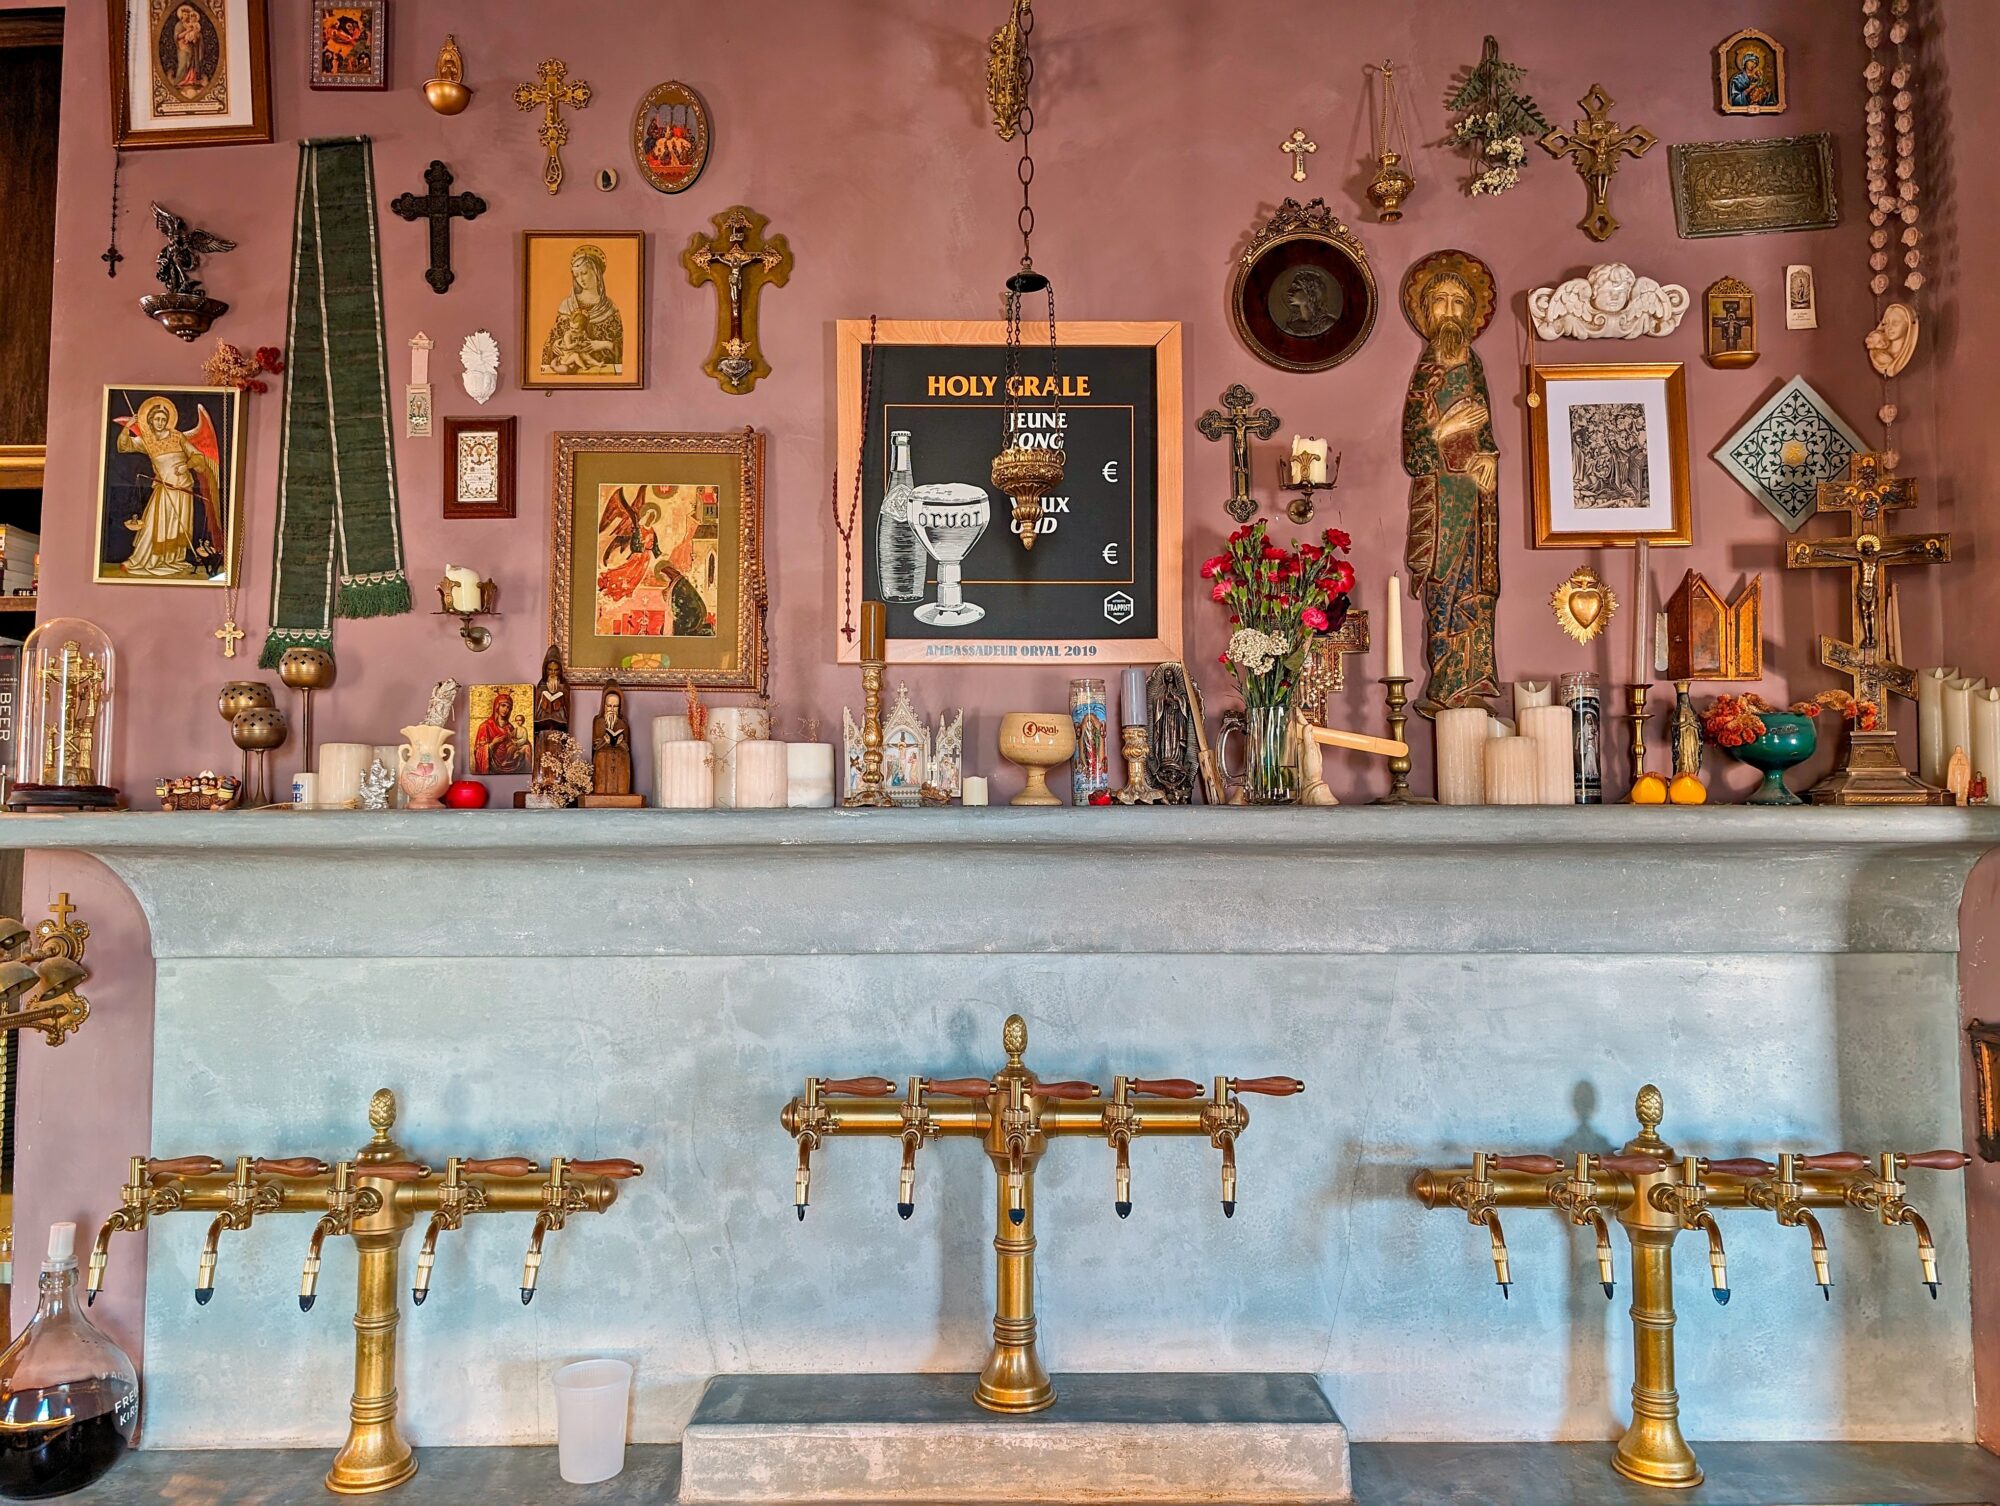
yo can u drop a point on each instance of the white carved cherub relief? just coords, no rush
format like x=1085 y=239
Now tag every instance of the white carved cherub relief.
x=1611 y=303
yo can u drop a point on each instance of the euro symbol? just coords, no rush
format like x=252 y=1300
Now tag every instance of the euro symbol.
x=1110 y=554
x=1111 y=470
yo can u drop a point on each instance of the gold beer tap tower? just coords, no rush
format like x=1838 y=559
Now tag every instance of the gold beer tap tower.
x=373 y=1198
x=1656 y=1193
x=1015 y=1114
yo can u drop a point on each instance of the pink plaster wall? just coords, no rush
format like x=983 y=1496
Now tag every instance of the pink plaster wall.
x=860 y=130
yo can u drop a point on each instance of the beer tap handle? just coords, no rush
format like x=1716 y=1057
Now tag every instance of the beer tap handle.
x=1164 y=1087
x=616 y=1168
x=180 y=1166
x=1935 y=1160
x=1740 y=1166
x=393 y=1171
x=859 y=1087
x=502 y=1166
x=1630 y=1165
x=1834 y=1160
x=960 y=1087
x=1534 y=1166
x=291 y=1168
x=1270 y=1087
x=1075 y=1092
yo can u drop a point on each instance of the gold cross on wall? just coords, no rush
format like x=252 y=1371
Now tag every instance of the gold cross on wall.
x=1298 y=147
x=231 y=635
x=1596 y=144
x=549 y=96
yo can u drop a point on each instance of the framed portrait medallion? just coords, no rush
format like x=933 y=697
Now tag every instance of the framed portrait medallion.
x=189 y=73
x=583 y=309
x=479 y=467
x=169 y=479
x=656 y=567
x=350 y=45
x=670 y=137
x=1608 y=455
x=1303 y=296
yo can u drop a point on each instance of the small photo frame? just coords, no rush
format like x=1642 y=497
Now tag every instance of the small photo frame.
x=189 y=73
x=350 y=44
x=1750 y=74
x=583 y=309
x=169 y=474
x=1608 y=455
x=479 y=467
x=500 y=729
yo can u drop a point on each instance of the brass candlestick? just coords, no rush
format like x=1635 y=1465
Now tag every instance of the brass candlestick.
x=1636 y=695
x=1396 y=687
x=306 y=670
x=1137 y=743
x=240 y=696
x=870 y=791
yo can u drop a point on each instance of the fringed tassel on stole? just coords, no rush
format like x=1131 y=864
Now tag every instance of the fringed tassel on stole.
x=384 y=593
x=281 y=639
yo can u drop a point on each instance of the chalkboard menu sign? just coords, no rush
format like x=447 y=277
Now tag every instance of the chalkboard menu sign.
x=936 y=540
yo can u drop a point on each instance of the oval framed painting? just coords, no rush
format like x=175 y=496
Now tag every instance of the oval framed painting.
x=671 y=137
x=1303 y=297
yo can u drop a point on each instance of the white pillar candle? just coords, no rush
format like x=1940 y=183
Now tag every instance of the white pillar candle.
x=1958 y=715
x=729 y=727
x=1642 y=617
x=1549 y=729
x=1513 y=774
x=809 y=775
x=1931 y=751
x=1532 y=693
x=1392 y=635
x=1499 y=726
x=686 y=776
x=342 y=767
x=1461 y=755
x=666 y=729
x=1985 y=749
x=972 y=790
x=762 y=775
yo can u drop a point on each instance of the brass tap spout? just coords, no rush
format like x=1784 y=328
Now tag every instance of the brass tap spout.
x=562 y=1197
x=252 y=1191
x=1926 y=1251
x=100 y=1252
x=1233 y=1119
x=1787 y=1201
x=457 y=1197
x=1122 y=1121
x=152 y=1187
x=802 y=1178
x=329 y=1223
x=1822 y=1271
x=1019 y=1121
x=531 y=1267
x=1718 y=1262
x=1884 y=1194
x=1503 y=1275
x=917 y=1127
x=1605 y=1275
x=1477 y=1195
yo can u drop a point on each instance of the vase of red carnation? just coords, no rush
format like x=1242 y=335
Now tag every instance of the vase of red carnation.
x=1280 y=602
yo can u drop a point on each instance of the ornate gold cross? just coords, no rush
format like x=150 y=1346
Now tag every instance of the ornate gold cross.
x=231 y=635
x=1596 y=144
x=549 y=96
x=1237 y=419
x=1299 y=148
x=1868 y=496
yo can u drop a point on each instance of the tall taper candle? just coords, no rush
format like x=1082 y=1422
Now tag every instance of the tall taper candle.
x=1642 y=617
x=1462 y=736
x=1985 y=749
x=1958 y=715
x=1133 y=706
x=1931 y=751
x=1392 y=618
x=1529 y=694
x=874 y=628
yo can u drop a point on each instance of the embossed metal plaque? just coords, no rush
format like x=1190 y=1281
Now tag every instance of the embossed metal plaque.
x=1748 y=187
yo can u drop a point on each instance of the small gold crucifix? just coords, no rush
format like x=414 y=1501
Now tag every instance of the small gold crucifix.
x=1596 y=143
x=1299 y=148
x=231 y=635
x=549 y=96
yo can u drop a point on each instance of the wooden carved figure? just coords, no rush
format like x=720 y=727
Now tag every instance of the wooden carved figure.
x=611 y=745
x=551 y=714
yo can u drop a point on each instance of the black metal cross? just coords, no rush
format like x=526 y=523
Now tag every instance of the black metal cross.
x=440 y=206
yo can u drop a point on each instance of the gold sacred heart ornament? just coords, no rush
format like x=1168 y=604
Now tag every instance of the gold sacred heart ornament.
x=1583 y=604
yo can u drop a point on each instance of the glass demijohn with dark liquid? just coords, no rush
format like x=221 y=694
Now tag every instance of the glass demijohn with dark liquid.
x=69 y=1398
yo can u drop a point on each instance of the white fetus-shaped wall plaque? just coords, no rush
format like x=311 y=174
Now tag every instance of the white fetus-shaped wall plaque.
x=1612 y=303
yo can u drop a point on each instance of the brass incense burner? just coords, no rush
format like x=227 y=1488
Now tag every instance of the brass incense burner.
x=1014 y=1114
x=1656 y=1193
x=373 y=1199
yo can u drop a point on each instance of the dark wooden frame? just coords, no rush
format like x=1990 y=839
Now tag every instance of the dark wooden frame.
x=450 y=428
x=125 y=135
x=379 y=81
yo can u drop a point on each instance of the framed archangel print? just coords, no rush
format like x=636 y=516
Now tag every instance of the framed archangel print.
x=169 y=474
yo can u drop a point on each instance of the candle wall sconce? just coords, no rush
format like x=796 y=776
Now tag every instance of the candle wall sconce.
x=464 y=594
x=48 y=961
x=1304 y=473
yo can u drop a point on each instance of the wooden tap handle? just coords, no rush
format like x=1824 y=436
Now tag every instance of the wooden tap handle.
x=1936 y=1160
x=392 y=1171
x=1834 y=1160
x=1270 y=1087
x=961 y=1087
x=1073 y=1091
x=1164 y=1087
x=859 y=1087
x=1740 y=1166
x=1534 y=1166
x=617 y=1168
x=1630 y=1165
x=501 y=1166
x=182 y=1166
x=294 y=1168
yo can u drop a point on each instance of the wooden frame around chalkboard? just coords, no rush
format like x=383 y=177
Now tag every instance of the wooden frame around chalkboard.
x=1164 y=337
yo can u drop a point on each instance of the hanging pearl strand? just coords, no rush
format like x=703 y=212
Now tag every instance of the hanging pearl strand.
x=1894 y=193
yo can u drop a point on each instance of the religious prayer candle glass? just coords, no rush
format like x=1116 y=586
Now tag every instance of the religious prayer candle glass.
x=1090 y=765
x=62 y=744
x=1462 y=735
x=949 y=518
x=1581 y=691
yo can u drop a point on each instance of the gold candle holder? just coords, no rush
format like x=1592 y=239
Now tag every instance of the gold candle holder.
x=1636 y=695
x=1396 y=687
x=870 y=791
x=1136 y=743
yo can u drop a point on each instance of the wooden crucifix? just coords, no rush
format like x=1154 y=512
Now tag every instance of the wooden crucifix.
x=1238 y=419
x=440 y=206
x=1596 y=143
x=739 y=259
x=1868 y=496
x=549 y=96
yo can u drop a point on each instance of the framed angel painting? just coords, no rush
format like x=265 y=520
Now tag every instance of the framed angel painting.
x=170 y=467
x=189 y=72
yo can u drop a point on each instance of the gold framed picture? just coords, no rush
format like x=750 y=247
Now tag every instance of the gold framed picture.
x=1608 y=455
x=502 y=735
x=583 y=309
x=1303 y=296
x=1750 y=74
x=169 y=476
x=189 y=72
x=656 y=568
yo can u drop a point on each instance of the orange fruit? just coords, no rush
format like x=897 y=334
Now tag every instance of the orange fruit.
x=1650 y=789
x=1687 y=790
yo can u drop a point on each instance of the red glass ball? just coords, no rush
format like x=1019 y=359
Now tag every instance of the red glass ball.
x=466 y=795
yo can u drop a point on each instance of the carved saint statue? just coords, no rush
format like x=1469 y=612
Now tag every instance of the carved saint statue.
x=1454 y=468
x=1612 y=303
x=551 y=713
x=611 y=745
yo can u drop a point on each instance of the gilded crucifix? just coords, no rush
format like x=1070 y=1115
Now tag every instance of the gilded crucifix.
x=1239 y=420
x=1868 y=496
x=1596 y=143
x=738 y=259
x=555 y=90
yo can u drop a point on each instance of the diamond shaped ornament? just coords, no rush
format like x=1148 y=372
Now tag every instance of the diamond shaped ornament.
x=1789 y=446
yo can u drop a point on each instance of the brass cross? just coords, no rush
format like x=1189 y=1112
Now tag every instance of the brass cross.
x=62 y=909
x=1239 y=422
x=1596 y=144
x=1325 y=671
x=231 y=635
x=1867 y=496
x=549 y=96
x=1299 y=147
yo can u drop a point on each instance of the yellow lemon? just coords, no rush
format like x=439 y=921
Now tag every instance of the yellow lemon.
x=1687 y=790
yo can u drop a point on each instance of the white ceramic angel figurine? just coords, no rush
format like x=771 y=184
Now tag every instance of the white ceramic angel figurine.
x=480 y=356
x=1611 y=303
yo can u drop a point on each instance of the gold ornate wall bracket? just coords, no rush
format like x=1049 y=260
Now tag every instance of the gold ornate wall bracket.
x=1007 y=69
x=739 y=259
x=41 y=971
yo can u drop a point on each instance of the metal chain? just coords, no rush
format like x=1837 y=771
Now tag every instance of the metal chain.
x=1025 y=169
x=844 y=530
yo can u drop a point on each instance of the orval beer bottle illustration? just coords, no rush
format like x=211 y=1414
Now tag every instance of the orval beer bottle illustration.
x=899 y=555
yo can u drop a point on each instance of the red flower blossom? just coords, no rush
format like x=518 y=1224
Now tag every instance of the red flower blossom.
x=1273 y=552
x=1220 y=591
x=1314 y=618
x=1242 y=533
x=1337 y=539
x=1342 y=575
x=1311 y=552
x=1214 y=566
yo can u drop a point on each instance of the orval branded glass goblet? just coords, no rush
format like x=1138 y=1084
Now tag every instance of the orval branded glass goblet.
x=949 y=518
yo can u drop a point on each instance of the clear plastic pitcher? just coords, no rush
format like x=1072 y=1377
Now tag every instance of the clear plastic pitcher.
x=591 y=1399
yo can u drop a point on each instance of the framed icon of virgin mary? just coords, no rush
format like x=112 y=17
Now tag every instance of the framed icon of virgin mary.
x=1303 y=296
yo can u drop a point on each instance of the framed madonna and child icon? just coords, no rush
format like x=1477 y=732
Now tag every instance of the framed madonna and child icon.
x=169 y=471
x=189 y=72
x=583 y=309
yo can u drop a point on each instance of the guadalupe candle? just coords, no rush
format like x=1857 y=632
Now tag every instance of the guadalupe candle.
x=809 y=775
x=1550 y=729
x=874 y=627
x=687 y=776
x=972 y=790
x=1931 y=751
x=1461 y=755
x=1958 y=715
x=1529 y=693
x=1642 y=618
x=1134 y=706
x=1512 y=771
x=762 y=773
x=1392 y=618
x=1985 y=749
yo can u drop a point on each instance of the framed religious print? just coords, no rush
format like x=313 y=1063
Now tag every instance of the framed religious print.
x=502 y=734
x=189 y=72
x=350 y=44
x=1608 y=455
x=670 y=137
x=656 y=571
x=169 y=480
x=478 y=467
x=1750 y=74
x=1303 y=296
x=583 y=309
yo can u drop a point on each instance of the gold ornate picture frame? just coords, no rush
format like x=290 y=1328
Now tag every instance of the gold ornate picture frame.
x=189 y=72
x=1608 y=455
x=656 y=559
x=1303 y=297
